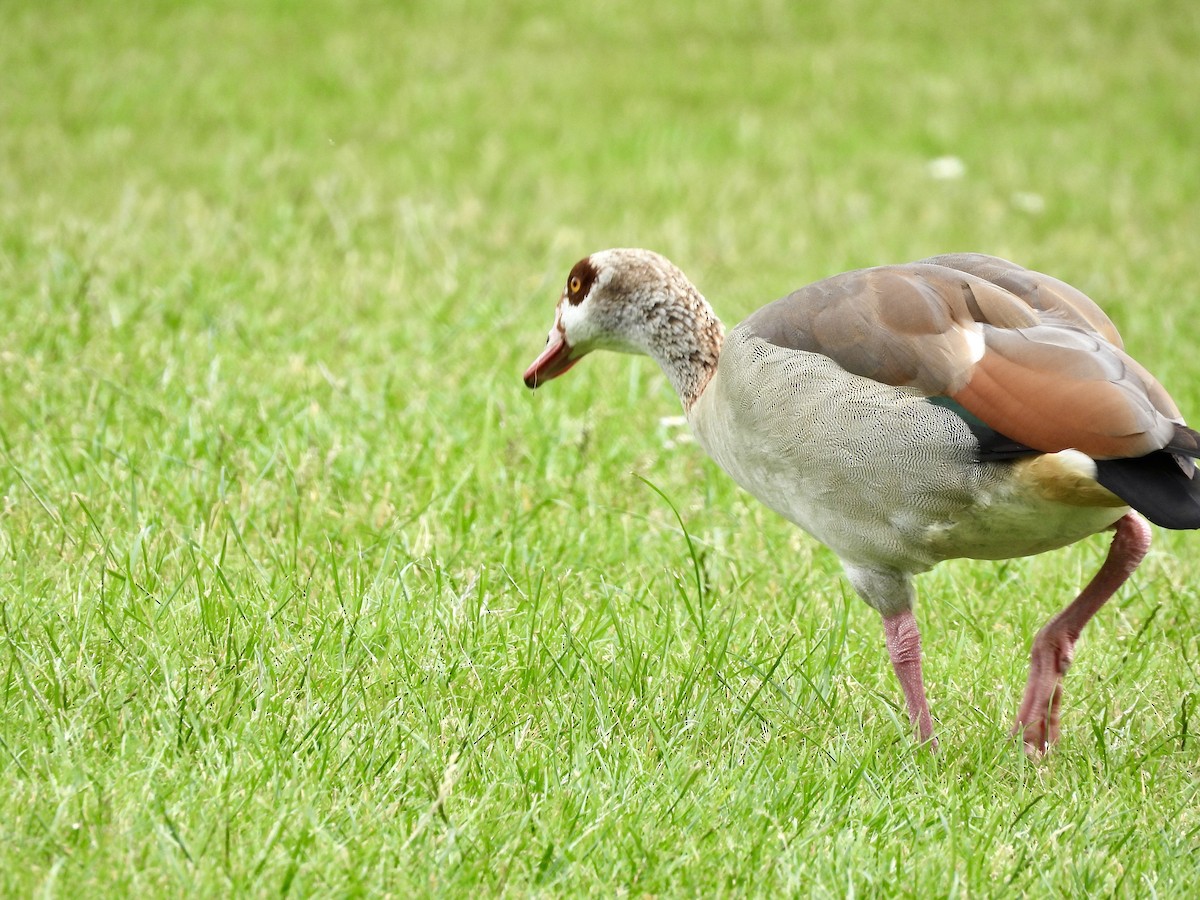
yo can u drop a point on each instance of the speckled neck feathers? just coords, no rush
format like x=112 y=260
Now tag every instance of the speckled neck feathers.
x=640 y=302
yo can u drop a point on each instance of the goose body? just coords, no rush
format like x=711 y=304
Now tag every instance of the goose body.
x=876 y=501
x=962 y=406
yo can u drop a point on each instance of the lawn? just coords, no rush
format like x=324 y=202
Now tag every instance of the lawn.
x=302 y=592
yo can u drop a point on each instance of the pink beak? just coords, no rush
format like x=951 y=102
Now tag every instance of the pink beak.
x=552 y=362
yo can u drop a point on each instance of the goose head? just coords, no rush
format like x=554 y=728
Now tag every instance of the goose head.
x=632 y=301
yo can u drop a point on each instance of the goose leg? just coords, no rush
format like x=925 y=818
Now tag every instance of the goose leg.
x=1054 y=646
x=904 y=647
x=891 y=593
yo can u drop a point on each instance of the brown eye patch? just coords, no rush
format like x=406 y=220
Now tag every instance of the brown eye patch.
x=580 y=281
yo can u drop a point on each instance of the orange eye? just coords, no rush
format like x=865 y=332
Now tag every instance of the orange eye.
x=575 y=284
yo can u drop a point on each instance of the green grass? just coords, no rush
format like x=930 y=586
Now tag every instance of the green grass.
x=302 y=592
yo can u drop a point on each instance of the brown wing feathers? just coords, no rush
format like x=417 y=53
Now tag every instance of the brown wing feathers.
x=1037 y=291
x=1029 y=356
x=892 y=324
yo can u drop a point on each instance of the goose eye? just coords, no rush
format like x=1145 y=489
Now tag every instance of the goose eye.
x=575 y=284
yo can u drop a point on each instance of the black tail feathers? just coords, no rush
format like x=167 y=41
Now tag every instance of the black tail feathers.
x=1162 y=485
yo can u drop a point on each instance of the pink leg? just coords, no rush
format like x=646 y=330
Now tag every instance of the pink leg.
x=1054 y=646
x=904 y=647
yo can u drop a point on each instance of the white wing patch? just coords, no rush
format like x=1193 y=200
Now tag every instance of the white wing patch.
x=973 y=335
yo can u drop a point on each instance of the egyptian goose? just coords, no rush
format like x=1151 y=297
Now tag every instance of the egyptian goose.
x=960 y=406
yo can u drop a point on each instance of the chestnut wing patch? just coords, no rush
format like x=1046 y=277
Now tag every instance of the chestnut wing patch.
x=1057 y=387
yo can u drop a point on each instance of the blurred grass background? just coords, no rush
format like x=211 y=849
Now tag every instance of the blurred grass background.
x=302 y=592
